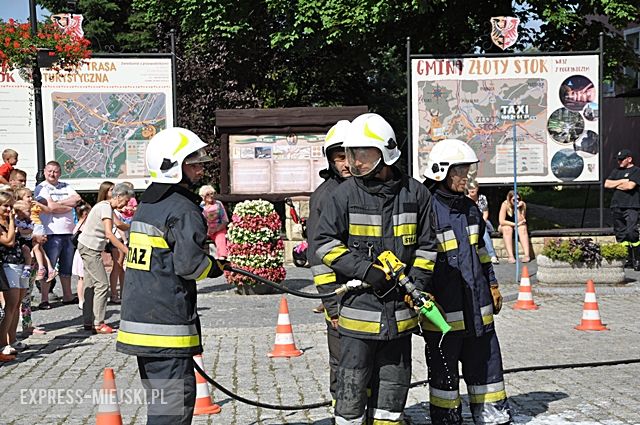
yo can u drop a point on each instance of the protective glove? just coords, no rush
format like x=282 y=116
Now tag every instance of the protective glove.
x=217 y=267
x=497 y=298
x=378 y=280
x=409 y=301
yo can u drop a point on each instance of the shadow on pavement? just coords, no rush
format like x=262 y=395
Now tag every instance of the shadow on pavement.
x=534 y=403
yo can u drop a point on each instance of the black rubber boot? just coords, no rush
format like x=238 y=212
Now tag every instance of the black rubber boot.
x=629 y=263
x=635 y=253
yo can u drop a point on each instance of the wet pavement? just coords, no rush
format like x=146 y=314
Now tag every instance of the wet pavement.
x=239 y=331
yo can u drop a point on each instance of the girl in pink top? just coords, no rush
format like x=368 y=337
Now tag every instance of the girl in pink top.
x=217 y=220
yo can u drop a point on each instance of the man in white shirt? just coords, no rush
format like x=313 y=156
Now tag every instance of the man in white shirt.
x=61 y=199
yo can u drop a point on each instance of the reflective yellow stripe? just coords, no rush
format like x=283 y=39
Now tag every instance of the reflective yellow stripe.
x=405 y=229
x=487 y=319
x=158 y=340
x=473 y=238
x=359 y=325
x=487 y=398
x=386 y=422
x=184 y=141
x=152 y=241
x=323 y=279
x=365 y=230
x=443 y=402
x=485 y=258
x=334 y=253
x=424 y=264
x=447 y=245
x=205 y=273
x=406 y=325
x=369 y=133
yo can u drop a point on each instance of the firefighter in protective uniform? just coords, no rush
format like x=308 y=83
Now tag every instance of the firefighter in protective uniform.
x=378 y=209
x=159 y=320
x=465 y=287
x=324 y=277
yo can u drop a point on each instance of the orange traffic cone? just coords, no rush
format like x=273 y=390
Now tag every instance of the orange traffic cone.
x=108 y=409
x=525 y=297
x=284 y=345
x=590 y=313
x=204 y=405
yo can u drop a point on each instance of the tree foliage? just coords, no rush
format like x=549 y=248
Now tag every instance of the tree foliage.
x=570 y=25
x=281 y=53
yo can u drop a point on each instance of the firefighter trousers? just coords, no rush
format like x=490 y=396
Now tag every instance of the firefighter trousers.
x=170 y=385
x=382 y=366
x=333 y=340
x=482 y=370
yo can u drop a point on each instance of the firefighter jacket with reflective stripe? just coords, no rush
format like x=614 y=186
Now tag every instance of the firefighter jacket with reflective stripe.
x=324 y=277
x=166 y=257
x=463 y=270
x=362 y=219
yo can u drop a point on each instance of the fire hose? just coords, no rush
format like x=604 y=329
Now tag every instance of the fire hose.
x=412 y=385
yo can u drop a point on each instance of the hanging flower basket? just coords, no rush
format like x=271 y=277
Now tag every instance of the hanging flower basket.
x=255 y=245
x=50 y=48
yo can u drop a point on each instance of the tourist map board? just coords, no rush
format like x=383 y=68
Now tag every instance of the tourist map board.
x=97 y=122
x=552 y=101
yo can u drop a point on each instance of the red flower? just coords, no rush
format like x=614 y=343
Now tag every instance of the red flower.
x=11 y=21
x=16 y=45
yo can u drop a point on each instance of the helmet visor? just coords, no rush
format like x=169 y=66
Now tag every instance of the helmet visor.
x=198 y=157
x=363 y=161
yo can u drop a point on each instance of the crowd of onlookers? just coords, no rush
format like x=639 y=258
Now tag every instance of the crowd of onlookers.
x=50 y=234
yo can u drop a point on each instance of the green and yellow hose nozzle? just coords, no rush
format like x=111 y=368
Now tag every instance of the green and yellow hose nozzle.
x=394 y=269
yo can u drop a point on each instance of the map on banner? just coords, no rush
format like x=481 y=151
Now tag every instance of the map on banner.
x=481 y=112
x=544 y=106
x=105 y=134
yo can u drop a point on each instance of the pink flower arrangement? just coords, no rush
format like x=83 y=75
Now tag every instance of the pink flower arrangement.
x=255 y=244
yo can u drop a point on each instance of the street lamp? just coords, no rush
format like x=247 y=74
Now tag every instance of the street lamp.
x=37 y=97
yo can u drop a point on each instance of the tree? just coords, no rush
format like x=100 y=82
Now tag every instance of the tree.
x=569 y=25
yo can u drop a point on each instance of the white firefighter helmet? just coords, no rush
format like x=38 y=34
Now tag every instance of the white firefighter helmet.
x=335 y=136
x=445 y=154
x=169 y=149
x=372 y=131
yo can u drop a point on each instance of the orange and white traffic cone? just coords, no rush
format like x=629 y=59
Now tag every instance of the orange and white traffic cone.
x=284 y=345
x=525 y=297
x=590 y=313
x=204 y=404
x=108 y=409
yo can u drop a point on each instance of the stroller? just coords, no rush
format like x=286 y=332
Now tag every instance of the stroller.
x=299 y=251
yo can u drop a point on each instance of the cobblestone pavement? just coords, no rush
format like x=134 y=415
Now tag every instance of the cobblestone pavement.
x=239 y=331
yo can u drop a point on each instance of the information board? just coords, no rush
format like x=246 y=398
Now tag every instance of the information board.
x=275 y=163
x=97 y=121
x=551 y=100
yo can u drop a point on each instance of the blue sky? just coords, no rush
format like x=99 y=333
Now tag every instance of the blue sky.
x=18 y=10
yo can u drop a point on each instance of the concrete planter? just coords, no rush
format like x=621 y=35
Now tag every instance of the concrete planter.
x=553 y=272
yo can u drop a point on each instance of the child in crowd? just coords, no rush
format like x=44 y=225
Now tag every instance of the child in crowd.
x=24 y=227
x=43 y=261
x=12 y=263
x=217 y=220
x=10 y=159
x=82 y=211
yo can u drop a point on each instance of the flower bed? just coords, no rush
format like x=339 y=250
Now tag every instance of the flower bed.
x=256 y=246
x=574 y=261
